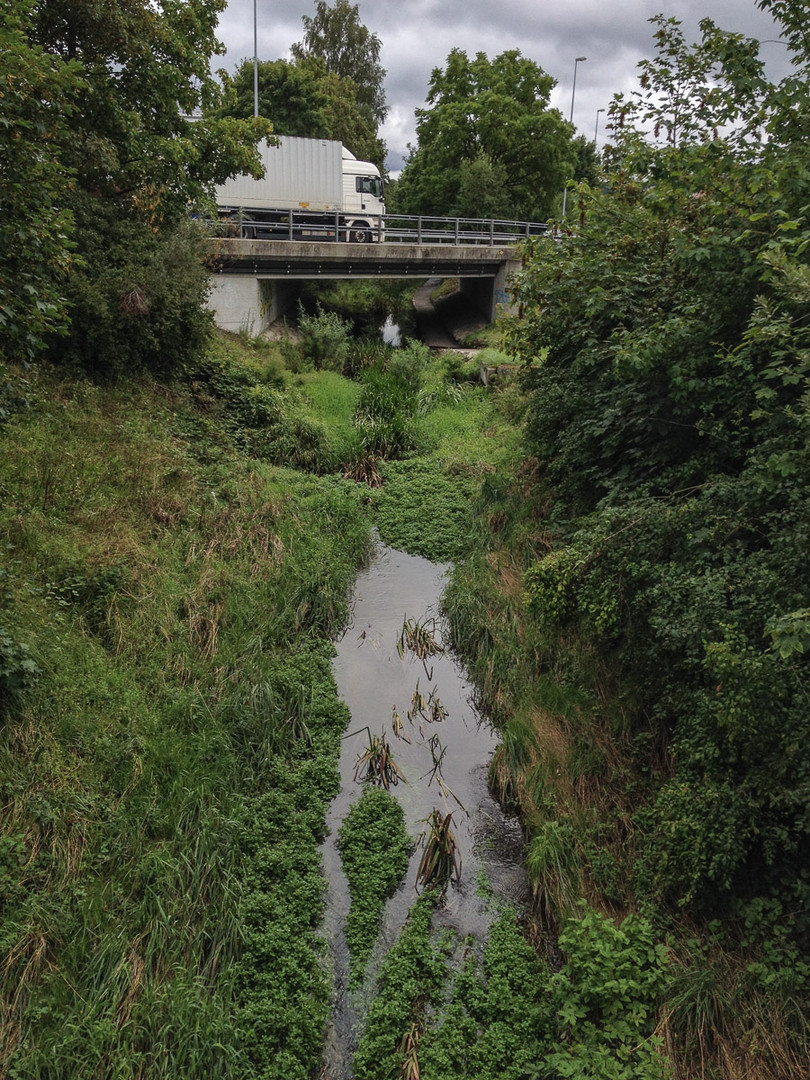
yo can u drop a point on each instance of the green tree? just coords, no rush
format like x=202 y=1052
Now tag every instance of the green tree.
x=290 y=96
x=588 y=164
x=38 y=93
x=305 y=99
x=491 y=115
x=480 y=192
x=138 y=161
x=348 y=122
x=348 y=49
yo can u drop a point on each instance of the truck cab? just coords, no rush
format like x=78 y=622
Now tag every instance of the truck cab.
x=363 y=194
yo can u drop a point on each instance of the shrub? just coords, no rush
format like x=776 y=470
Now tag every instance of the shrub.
x=325 y=339
x=137 y=301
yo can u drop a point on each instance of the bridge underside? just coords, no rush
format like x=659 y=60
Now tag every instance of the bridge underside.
x=256 y=281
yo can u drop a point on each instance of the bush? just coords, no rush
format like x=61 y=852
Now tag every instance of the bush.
x=325 y=339
x=606 y=997
x=137 y=300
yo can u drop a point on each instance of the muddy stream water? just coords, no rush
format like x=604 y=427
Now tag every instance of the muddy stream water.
x=374 y=680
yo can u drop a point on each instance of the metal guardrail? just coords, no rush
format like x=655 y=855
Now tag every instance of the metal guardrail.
x=395 y=228
x=424 y=229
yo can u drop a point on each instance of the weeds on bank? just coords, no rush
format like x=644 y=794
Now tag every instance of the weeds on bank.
x=165 y=773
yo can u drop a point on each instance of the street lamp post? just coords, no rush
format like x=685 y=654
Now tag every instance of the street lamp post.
x=578 y=60
x=596 y=126
x=255 y=61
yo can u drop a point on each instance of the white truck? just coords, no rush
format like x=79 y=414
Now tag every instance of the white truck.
x=311 y=189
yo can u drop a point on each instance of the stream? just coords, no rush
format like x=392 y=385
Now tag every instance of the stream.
x=374 y=680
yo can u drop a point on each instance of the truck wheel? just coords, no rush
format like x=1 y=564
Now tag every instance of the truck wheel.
x=360 y=236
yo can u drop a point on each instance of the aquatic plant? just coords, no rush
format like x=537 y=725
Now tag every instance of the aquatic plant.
x=374 y=850
x=441 y=859
x=411 y=981
x=437 y=752
x=420 y=638
x=376 y=765
x=430 y=708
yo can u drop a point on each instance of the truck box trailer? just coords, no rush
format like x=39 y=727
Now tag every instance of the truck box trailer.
x=311 y=189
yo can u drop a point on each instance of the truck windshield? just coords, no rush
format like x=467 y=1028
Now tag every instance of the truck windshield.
x=369 y=185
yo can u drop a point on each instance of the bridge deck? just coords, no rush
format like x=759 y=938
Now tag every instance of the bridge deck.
x=308 y=260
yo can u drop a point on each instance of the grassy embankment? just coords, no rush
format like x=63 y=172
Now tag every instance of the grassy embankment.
x=170 y=725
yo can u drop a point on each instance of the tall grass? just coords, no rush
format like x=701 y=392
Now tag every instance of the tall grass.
x=164 y=779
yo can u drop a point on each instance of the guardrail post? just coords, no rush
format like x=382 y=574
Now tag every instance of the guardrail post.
x=457 y=230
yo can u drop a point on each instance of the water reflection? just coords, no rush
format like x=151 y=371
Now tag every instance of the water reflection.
x=390 y=333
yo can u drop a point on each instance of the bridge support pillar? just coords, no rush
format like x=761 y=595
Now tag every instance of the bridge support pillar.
x=243 y=303
x=490 y=294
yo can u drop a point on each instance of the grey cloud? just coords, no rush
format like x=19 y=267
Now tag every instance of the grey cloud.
x=418 y=37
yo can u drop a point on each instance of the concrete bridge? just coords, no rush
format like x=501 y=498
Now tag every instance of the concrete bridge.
x=254 y=282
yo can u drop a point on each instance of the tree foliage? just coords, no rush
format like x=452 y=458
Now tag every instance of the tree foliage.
x=348 y=49
x=670 y=418
x=129 y=160
x=306 y=100
x=38 y=94
x=488 y=134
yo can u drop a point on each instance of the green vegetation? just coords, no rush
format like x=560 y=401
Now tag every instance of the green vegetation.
x=366 y=303
x=488 y=145
x=169 y=735
x=181 y=518
x=177 y=556
x=503 y=1014
x=100 y=166
x=36 y=229
x=422 y=510
x=637 y=627
x=374 y=851
x=331 y=89
x=412 y=979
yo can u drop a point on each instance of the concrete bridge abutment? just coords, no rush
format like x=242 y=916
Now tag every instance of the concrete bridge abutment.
x=248 y=304
x=490 y=295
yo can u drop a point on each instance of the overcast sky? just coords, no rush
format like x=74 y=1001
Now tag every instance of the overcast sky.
x=417 y=36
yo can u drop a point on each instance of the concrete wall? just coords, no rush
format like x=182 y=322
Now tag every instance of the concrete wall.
x=243 y=303
x=489 y=295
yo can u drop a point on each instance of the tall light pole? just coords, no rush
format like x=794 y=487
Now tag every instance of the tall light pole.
x=578 y=60
x=255 y=61
x=596 y=126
